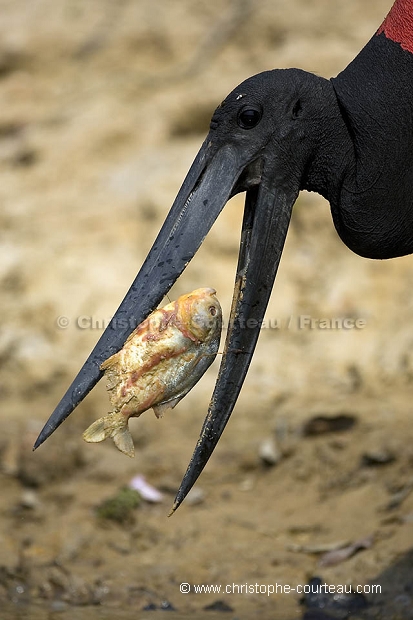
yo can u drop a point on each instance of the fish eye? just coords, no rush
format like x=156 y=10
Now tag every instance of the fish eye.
x=212 y=310
x=249 y=117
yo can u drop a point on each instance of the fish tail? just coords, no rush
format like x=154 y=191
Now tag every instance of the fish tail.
x=124 y=442
x=114 y=425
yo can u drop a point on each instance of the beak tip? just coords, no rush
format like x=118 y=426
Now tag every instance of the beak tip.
x=43 y=435
x=174 y=507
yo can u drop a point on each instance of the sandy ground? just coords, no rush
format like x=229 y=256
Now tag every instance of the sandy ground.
x=103 y=108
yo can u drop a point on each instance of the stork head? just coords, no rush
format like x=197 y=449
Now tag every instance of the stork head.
x=270 y=130
x=267 y=138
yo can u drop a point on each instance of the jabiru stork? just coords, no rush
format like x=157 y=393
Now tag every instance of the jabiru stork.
x=349 y=138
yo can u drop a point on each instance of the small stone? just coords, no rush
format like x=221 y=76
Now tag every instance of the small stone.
x=29 y=499
x=149 y=607
x=218 y=606
x=376 y=458
x=268 y=452
x=322 y=424
x=167 y=606
x=19 y=592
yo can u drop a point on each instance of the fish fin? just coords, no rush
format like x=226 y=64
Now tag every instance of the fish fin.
x=160 y=409
x=110 y=362
x=114 y=425
x=124 y=442
x=113 y=378
x=99 y=430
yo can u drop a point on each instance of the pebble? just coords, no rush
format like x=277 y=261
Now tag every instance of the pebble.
x=219 y=605
x=321 y=424
x=29 y=499
x=375 y=458
x=164 y=606
x=19 y=592
x=268 y=452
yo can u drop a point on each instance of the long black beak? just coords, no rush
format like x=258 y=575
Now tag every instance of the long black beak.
x=205 y=191
x=266 y=220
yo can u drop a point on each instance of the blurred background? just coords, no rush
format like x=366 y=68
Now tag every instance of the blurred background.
x=103 y=106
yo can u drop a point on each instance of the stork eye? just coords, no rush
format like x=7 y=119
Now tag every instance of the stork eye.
x=249 y=117
x=212 y=310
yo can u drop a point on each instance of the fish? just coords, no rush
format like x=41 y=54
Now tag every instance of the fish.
x=160 y=362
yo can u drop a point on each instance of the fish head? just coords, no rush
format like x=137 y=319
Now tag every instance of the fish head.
x=200 y=312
